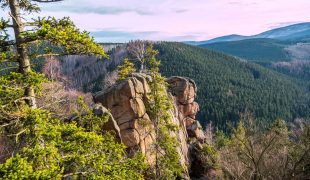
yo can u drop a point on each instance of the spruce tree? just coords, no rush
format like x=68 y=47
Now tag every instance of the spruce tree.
x=126 y=69
x=59 y=32
x=167 y=165
x=38 y=144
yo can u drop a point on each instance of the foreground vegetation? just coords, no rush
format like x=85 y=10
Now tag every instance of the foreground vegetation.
x=281 y=151
x=38 y=144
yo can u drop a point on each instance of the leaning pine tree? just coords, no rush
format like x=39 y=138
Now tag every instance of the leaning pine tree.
x=36 y=144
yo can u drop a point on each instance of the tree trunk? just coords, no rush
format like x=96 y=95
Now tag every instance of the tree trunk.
x=141 y=67
x=23 y=58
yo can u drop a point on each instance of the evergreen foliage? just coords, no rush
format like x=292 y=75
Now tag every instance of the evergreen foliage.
x=61 y=33
x=42 y=145
x=126 y=69
x=76 y=149
x=167 y=158
x=208 y=158
x=228 y=86
x=259 y=50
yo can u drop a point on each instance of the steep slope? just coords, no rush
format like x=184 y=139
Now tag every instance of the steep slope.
x=228 y=86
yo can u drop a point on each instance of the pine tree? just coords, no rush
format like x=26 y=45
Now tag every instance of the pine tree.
x=49 y=30
x=168 y=164
x=126 y=69
x=52 y=149
x=40 y=145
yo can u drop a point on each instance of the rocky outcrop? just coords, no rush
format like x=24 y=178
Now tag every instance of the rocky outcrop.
x=128 y=101
x=184 y=91
x=111 y=124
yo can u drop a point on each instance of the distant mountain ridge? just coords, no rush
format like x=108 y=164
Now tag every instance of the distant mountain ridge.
x=258 y=50
x=295 y=32
x=232 y=37
x=285 y=50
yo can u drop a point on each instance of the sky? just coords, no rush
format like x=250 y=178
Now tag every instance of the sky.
x=177 y=20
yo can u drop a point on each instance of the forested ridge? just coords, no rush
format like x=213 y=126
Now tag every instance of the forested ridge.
x=259 y=50
x=228 y=86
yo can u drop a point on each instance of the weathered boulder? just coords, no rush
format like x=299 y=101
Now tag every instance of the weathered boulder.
x=111 y=124
x=195 y=130
x=184 y=91
x=127 y=101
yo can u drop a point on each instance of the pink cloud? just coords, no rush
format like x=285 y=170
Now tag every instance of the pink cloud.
x=187 y=19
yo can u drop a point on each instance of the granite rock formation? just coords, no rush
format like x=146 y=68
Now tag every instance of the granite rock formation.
x=184 y=91
x=128 y=101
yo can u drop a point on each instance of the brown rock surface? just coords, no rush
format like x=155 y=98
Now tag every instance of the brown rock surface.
x=184 y=91
x=111 y=124
x=128 y=100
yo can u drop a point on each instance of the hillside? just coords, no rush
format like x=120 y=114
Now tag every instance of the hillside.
x=277 y=49
x=228 y=86
x=296 y=69
x=277 y=45
x=287 y=57
x=259 y=50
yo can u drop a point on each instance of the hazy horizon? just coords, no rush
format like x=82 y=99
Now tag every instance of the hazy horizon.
x=177 y=20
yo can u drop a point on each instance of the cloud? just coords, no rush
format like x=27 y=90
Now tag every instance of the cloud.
x=121 y=36
x=101 y=7
x=181 y=10
x=177 y=19
x=109 y=35
x=240 y=3
x=102 y=10
x=182 y=38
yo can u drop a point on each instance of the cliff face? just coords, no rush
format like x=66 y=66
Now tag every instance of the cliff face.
x=128 y=101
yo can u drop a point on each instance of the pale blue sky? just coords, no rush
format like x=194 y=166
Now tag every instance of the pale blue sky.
x=178 y=20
